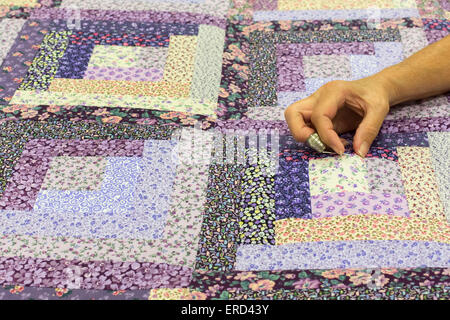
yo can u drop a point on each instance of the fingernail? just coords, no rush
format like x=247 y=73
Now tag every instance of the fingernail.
x=363 y=149
x=339 y=151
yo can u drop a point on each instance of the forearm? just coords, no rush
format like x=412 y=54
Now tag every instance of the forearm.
x=424 y=74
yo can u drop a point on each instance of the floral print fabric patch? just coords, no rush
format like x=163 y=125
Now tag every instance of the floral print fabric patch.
x=420 y=182
x=384 y=176
x=73 y=173
x=335 y=174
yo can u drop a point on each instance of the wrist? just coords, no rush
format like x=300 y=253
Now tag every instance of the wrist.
x=386 y=82
x=377 y=88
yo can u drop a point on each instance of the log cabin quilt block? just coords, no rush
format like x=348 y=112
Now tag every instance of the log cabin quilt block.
x=118 y=120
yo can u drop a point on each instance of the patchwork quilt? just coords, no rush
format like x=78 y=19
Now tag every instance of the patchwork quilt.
x=144 y=153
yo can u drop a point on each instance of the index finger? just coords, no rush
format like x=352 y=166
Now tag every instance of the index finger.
x=321 y=118
x=296 y=122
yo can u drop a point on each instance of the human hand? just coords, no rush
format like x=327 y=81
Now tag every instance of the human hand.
x=341 y=106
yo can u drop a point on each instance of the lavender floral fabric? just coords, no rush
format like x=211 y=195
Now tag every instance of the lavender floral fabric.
x=345 y=203
x=119 y=200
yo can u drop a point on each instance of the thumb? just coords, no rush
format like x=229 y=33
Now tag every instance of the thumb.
x=367 y=131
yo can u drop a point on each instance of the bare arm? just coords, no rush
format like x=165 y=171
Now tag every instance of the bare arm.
x=341 y=106
x=426 y=73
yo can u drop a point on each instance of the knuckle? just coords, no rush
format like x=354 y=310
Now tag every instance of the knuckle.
x=287 y=112
x=335 y=85
x=371 y=131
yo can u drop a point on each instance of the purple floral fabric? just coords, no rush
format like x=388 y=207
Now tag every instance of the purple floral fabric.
x=98 y=275
x=221 y=240
x=346 y=203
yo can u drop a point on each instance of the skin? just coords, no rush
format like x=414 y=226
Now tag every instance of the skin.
x=342 y=106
